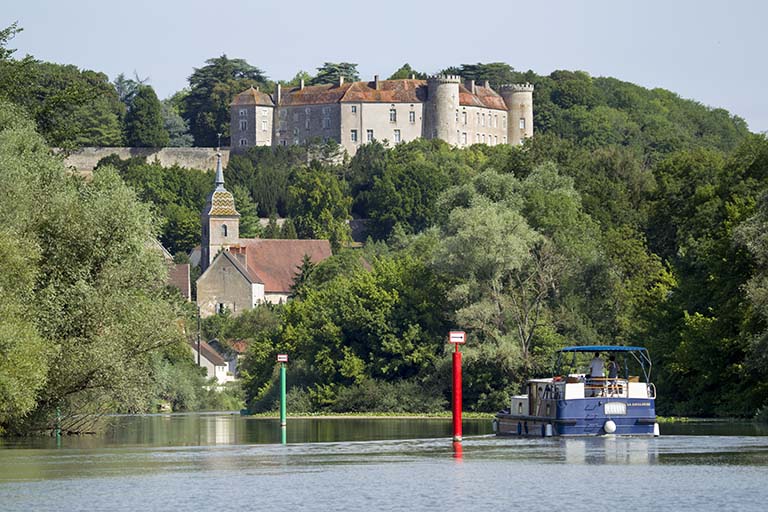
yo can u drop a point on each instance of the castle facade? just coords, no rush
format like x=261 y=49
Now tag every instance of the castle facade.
x=441 y=107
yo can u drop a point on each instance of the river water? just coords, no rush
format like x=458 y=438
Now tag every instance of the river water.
x=224 y=462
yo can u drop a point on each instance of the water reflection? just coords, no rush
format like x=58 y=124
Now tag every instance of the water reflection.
x=166 y=462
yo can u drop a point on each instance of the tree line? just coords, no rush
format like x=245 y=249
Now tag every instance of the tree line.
x=632 y=217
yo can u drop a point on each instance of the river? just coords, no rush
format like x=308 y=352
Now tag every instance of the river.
x=224 y=461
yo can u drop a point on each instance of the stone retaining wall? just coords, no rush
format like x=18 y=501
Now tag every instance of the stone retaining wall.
x=85 y=159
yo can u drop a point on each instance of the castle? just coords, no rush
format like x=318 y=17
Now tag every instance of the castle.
x=441 y=107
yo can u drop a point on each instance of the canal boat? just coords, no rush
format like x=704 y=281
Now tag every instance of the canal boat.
x=580 y=400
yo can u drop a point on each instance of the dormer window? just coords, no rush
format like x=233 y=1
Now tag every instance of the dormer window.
x=224 y=230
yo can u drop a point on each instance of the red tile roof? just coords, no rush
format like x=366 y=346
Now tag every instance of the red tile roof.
x=178 y=277
x=209 y=353
x=276 y=262
x=390 y=91
x=314 y=94
x=253 y=97
x=483 y=97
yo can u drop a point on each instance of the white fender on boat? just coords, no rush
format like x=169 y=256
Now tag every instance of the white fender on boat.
x=609 y=427
x=656 y=432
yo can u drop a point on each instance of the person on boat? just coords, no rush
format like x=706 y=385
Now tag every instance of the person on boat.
x=596 y=367
x=613 y=367
x=613 y=374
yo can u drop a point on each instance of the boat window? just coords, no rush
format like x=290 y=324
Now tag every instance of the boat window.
x=615 y=408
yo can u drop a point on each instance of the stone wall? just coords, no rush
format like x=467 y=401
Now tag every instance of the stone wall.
x=85 y=159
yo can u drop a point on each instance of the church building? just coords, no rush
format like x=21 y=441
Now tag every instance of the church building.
x=241 y=273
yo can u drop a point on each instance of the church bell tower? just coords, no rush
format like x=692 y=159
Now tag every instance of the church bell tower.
x=219 y=219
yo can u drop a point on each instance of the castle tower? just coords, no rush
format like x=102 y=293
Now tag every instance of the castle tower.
x=251 y=119
x=519 y=101
x=442 y=108
x=219 y=219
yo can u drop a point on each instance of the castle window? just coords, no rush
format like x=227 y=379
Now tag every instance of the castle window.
x=495 y=121
x=224 y=230
x=326 y=111
x=522 y=123
x=397 y=136
x=220 y=308
x=295 y=116
x=307 y=111
x=295 y=132
x=243 y=125
x=464 y=138
x=483 y=138
x=504 y=139
x=326 y=122
x=354 y=109
x=369 y=135
x=464 y=117
x=264 y=112
x=495 y=139
x=283 y=143
x=504 y=122
x=457 y=115
x=353 y=135
x=411 y=116
x=264 y=125
x=243 y=142
x=242 y=112
x=306 y=123
x=477 y=138
x=482 y=120
x=478 y=119
x=392 y=115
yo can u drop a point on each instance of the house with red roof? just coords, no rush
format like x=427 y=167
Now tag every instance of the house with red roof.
x=240 y=273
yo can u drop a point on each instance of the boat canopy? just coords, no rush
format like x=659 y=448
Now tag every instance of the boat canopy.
x=602 y=348
x=638 y=354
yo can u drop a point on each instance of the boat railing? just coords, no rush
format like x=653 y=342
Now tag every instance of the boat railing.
x=608 y=387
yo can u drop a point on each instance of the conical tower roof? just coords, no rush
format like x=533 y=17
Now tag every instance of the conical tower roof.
x=221 y=202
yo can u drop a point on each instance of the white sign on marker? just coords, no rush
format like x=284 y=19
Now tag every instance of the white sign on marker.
x=282 y=358
x=456 y=337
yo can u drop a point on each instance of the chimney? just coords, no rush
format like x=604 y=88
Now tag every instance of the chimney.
x=302 y=84
x=413 y=76
x=278 y=94
x=376 y=82
x=470 y=84
x=341 y=81
x=486 y=84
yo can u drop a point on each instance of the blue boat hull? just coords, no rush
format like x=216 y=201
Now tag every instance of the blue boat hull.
x=583 y=417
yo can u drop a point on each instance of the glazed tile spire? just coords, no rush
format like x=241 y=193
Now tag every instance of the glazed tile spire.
x=219 y=173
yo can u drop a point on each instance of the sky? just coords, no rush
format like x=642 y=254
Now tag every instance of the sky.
x=709 y=51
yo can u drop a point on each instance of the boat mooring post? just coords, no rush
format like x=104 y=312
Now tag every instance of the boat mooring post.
x=282 y=359
x=457 y=338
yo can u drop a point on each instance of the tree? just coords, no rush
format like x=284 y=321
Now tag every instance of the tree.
x=296 y=80
x=319 y=206
x=330 y=72
x=144 y=121
x=211 y=89
x=6 y=35
x=497 y=73
x=248 y=210
x=176 y=126
x=98 y=297
x=406 y=71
